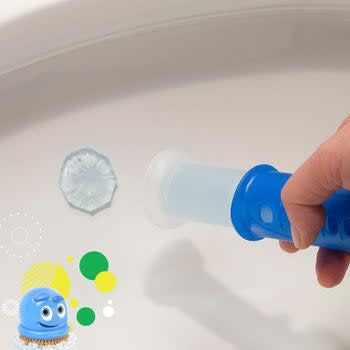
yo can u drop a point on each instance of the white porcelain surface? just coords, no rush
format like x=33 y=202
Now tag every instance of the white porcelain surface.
x=232 y=89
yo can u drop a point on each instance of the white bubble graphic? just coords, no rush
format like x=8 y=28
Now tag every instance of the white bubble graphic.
x=108 y=312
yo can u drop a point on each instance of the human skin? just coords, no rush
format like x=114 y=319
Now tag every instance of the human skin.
x=323 y=173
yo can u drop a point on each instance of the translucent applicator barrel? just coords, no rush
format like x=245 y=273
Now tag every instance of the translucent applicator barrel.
x=200 y=193
x=180 y=190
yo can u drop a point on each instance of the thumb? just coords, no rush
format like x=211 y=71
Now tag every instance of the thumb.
x=316 y=180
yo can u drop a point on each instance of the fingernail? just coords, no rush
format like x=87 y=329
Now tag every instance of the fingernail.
x=297 y=237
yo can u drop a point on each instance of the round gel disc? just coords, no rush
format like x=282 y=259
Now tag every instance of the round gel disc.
x=87 y=180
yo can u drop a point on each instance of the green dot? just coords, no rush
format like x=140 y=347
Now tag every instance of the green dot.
x=86 y=316
x=93 y=263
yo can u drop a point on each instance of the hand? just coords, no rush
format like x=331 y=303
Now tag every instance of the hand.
x=326 y=171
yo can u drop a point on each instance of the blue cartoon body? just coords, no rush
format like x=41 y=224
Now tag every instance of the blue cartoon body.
x=43 y=314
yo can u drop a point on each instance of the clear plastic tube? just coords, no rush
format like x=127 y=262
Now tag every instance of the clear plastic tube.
x=186 y=191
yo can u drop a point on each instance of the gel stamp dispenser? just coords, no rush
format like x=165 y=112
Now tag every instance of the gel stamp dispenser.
x=179 y=190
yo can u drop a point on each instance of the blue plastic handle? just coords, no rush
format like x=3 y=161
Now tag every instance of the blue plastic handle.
x=257 y=211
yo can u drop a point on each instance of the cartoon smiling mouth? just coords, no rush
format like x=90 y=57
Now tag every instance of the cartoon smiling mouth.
x=47 y=326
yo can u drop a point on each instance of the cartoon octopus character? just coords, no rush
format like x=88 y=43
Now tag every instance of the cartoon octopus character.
x=43 y=321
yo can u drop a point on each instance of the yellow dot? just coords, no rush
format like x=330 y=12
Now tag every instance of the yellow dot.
x=74 y=303
x=105 y=282
x=71 y=328
x=70 y=259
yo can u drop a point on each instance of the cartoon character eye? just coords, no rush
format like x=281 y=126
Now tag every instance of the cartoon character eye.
x=61 y=310
x=46 y=313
